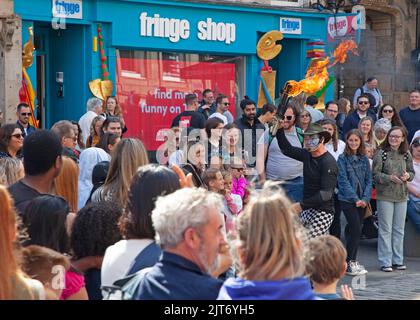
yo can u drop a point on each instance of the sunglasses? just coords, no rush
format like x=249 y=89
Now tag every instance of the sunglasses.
x=226 y=103
x=388 y=111
x=363 y=102
x=239 y=169
x=17 y=135
x=25 y=114
x=288 y=117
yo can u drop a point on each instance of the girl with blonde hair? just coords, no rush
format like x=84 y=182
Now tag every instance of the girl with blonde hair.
x=11 y=171
x=129 y=155
x=270 y=250
x=95 y=131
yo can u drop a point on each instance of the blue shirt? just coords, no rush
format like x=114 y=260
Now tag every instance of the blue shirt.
x=411 y=120
x=328 y=296
x=175 y=278
x=353 y=119
x=287 y=289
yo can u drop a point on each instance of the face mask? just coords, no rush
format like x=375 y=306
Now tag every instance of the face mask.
x=312 y=143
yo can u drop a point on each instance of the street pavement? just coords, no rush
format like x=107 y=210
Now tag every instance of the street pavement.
x=379 y=285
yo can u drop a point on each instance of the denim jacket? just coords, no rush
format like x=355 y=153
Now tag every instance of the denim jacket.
x=354 y=174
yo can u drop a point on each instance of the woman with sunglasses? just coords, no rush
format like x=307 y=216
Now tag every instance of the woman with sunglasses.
x=305 y=120
x=388 y=111
x=11 y=141
x=392 y=169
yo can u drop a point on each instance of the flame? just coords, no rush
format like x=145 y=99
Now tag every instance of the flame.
x=317 y=73
x=340 y=53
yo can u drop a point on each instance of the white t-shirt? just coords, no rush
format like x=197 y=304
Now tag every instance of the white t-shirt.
x=119 y=257
x=176 y=157
x=416 y=134
x=237 y=200
x=415 y=183
x=340 y=148
x=220 y=116
x=85 y=122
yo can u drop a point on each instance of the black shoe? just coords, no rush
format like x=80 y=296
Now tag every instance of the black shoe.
x=386 y=269
x=399 y=267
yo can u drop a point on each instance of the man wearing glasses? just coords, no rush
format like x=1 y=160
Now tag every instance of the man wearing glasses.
x=222 y=105
x=65 y=132
x=363 y=110
x=23 y=113
x=273 y=164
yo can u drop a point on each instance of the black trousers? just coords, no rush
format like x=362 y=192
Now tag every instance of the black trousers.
x=335 y=229
x=354 y=217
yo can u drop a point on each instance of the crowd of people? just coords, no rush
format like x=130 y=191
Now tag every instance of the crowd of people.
x=245 y=209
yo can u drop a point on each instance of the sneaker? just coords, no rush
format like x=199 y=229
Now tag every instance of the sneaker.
x=387 y=269
x=399 y=266
x=353 y=269
x=361 y=268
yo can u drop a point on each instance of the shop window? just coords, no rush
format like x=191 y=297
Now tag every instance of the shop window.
x=151 y=87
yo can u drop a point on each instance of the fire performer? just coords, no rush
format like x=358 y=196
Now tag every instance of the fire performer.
x=320 y=172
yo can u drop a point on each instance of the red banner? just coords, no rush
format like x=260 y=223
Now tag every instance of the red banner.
x=151 y=92
x=340 y=27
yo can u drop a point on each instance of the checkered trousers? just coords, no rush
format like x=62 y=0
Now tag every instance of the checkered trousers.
x=317 y=222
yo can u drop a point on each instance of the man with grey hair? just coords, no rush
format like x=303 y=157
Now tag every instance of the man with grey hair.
x=65 y=132
x=190 y=229
x=94 y=108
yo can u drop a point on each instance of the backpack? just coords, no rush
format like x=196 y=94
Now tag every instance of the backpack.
x=125 y=288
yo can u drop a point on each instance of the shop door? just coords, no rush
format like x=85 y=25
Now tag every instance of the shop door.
x=41 y=89
x=41 y=46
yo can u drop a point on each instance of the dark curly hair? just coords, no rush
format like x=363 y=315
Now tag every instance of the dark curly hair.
x=95 y=228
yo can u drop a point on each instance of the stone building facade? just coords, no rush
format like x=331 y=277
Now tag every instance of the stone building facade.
x=385 y=50
x=10 y=61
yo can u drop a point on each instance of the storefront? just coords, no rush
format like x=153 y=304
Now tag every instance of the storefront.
x=156 y=52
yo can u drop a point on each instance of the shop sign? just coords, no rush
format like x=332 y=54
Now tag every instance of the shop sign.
x=340 y=27
x=67 y=9
x=291 y=25
x=180 y=29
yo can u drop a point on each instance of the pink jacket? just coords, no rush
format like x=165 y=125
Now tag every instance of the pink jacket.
x=239 y=186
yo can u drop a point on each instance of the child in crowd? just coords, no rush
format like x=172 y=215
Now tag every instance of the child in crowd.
x=239 y=181
x=327 y=266
x=370 y=152
x=228 y=179
x=46 y=266
x=213 y=179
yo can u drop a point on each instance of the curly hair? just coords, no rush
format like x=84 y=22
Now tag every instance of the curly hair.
x=95 y=228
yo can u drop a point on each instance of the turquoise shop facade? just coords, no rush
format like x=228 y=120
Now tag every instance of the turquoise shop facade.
x=66 y=59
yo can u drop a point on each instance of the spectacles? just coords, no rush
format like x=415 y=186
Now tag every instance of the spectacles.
x=363 y=102
x=226 y=103
x=17 y=135
x=25 y=114
x=388 y=111
x=239 y=169
x=333 y=111
x=395 y=137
